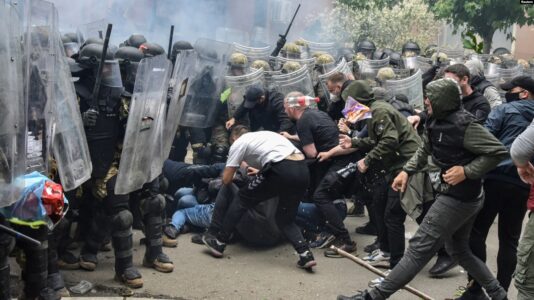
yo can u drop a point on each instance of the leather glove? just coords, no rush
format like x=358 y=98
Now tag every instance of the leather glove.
x=89 y=117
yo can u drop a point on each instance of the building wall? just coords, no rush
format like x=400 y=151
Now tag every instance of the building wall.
x=524 y=42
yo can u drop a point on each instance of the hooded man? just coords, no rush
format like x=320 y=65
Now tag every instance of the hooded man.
x=481 y=84
x=464 y=151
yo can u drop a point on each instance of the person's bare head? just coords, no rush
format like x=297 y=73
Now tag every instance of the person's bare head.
x=335 y=82
x=293 y=112
x=237 y=131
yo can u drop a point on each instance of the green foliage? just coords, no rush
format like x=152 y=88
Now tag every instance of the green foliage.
x=483 y=17
x=368 y=5
x=386 y=27
x=470 y=42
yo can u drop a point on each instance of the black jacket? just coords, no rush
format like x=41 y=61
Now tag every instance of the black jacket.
x=477 y=105
x=269 y=115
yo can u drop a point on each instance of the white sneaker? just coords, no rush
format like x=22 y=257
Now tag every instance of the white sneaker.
x=376 y=282
x=378 y=259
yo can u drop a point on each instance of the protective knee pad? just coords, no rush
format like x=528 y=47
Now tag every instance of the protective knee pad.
x=121 y=238
x=121 y=221
x=153 y=205
x=220 y=154
x=35 y=270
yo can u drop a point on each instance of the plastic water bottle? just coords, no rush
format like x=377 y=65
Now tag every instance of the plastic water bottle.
x=302 y=101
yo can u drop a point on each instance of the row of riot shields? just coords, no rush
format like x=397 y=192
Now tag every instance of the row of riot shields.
x=253 y=53
x=12 y=104
x=369 y=67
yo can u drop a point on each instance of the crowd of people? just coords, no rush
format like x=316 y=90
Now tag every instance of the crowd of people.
x=283 y=148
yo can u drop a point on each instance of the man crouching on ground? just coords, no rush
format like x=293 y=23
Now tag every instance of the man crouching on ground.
x=282 y=173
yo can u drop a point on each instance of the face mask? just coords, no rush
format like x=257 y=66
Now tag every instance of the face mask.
x=334 y=98
x=511 y=97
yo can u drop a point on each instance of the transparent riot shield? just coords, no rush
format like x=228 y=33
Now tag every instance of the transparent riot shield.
x=142 y=151
x=529 y=72
x=280 y=61
x=411 y=62
x=299 y=81
x=253 y=53
x=453 y=54
x=207 y=85
x=369 y=67
x=238 y=86
x=411 y=87
x=327 y=47
x=342 y=67
x=268 y=79
x=183 y=72
x=12 y=104
x=69 y=141
x=41 y=45
x=94 y=29
x=424 y=63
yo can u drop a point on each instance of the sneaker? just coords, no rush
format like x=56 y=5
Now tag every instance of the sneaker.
x=345 y=247
x=88 y=261
x=162 y=263
x=170 y=235
x=215 y=246
x=356 y=210
x=324 y=239
x=168 y=242
x=372 y=247
x=306 y=260
x=376 y=282
x=472 y=295
x=367 y=229
x=378 y=259
x=131 y=278
x=106 y=246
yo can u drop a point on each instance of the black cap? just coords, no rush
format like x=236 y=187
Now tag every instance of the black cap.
x=524 y=82
x=252 y=95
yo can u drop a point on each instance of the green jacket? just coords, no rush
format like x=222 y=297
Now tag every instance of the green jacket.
x=478 y=140
x=392 y=139
x=445 y=100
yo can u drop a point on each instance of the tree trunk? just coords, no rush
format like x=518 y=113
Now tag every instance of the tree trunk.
x=488 y=39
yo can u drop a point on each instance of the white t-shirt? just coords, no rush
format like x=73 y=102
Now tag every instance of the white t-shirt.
x=259 y=148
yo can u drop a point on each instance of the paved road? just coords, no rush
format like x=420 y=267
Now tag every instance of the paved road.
x=249 y=273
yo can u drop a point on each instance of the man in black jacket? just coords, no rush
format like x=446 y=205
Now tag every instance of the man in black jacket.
x=506 y=193
x=472 y=100
x=265 y=110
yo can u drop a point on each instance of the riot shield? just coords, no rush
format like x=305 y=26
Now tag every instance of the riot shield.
x=327 y=47
x=424 y=63
x=529 y=72
x=207 y=84
x=411 y=87
x=238 y=86
x=453 y=54
x=69 y=141
x=299 y=80
x=342 y=67
x=183 y=72
x=369 y=67
x=12 y=103
x=506 y=75
x=253 y=53
x=95 y=29
x=280 y=61
x=142 y=153
x=411 y=62
x=268 y=78
x=41 y=45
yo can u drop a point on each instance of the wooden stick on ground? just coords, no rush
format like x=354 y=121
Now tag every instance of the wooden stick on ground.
x=364 y=264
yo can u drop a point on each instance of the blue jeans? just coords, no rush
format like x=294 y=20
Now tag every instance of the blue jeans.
x=189 y=211
x=198 y=216
x=310 y=219
x=185 y=198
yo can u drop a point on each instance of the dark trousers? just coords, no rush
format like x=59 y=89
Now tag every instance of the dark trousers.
x=329 y=189
x=286 y=180
x=508 y=201
x=393 y=232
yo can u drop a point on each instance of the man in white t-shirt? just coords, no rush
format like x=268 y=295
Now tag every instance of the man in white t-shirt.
x=280 y=171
